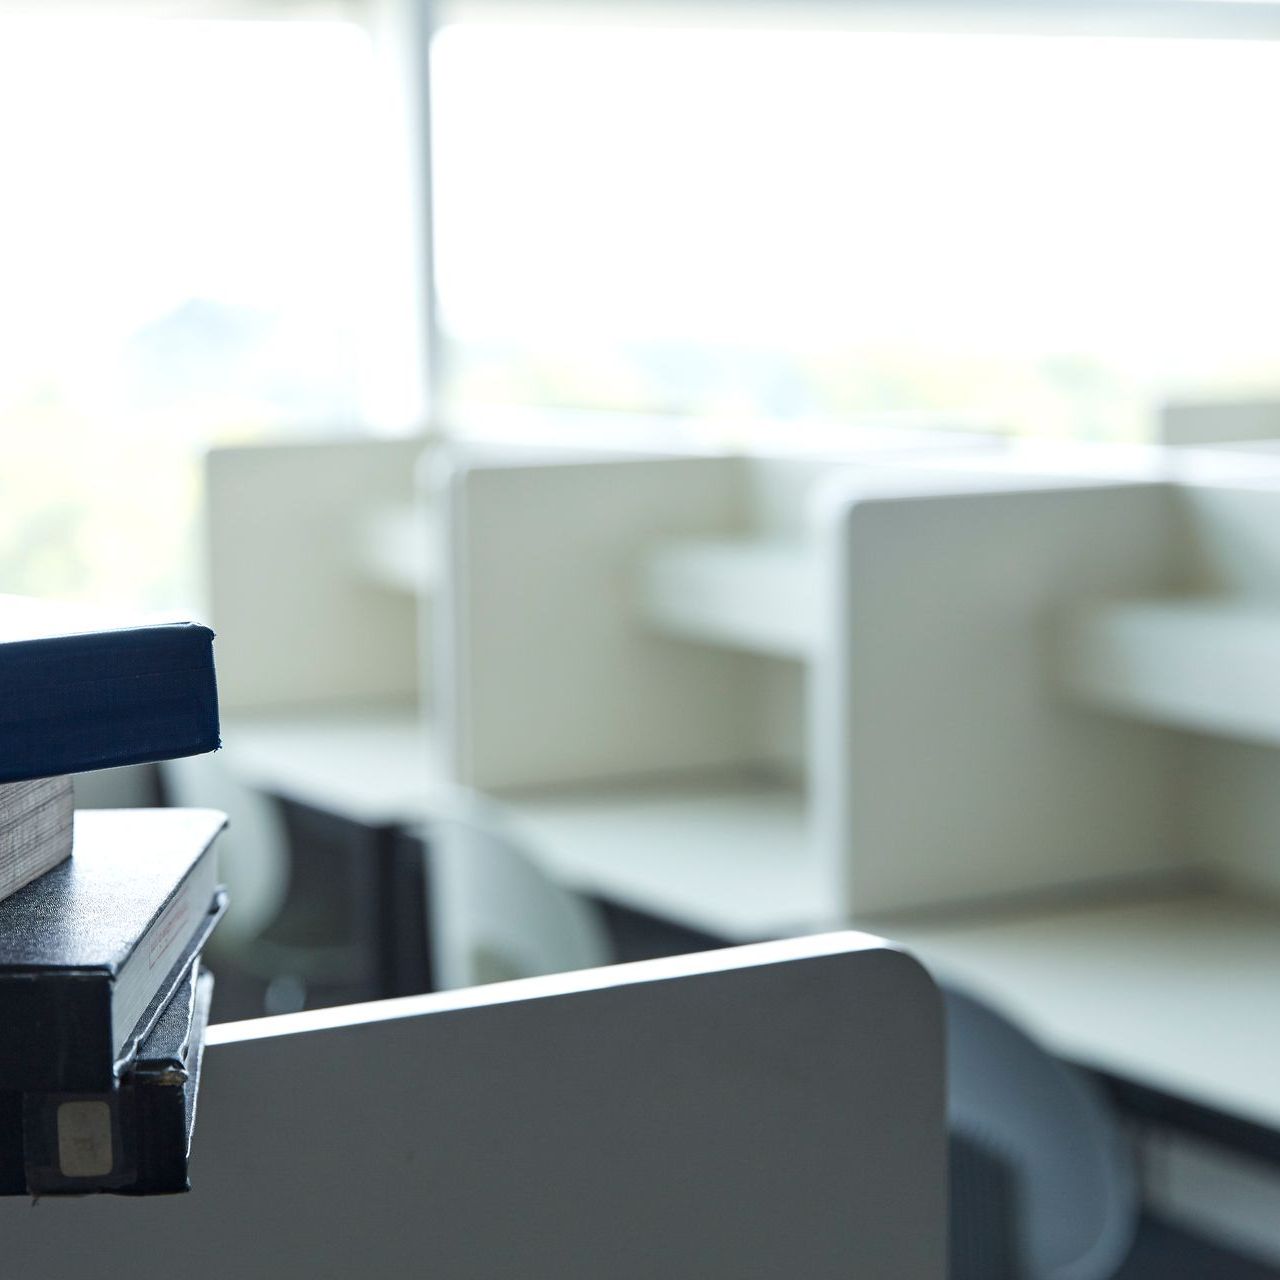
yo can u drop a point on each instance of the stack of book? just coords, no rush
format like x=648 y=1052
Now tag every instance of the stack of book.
x=103 y=915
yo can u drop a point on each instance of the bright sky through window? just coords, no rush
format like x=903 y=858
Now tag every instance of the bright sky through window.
x=153 y=163
x=1105 y=207
x=193 y=248
x=199 y=242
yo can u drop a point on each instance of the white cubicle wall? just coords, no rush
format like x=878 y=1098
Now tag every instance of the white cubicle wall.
x=792 y=662
x=321 y=569
x=755 y=694
x=763 y=1113
x=629 y=648
x=320 y=563
x=1047 y=687
x=304 y=542
x=554 y=678
x=949 y=767
x=323 y=565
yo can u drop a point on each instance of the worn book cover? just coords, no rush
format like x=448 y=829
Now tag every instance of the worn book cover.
x=81 y=690
x=91 y=952
x=134 y=1139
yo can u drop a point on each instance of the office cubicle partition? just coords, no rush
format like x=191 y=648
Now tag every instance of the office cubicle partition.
x=760 y=1113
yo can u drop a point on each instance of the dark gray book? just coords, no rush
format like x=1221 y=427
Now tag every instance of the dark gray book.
x=92 y=951
x=134 y=1139
x=35 y=829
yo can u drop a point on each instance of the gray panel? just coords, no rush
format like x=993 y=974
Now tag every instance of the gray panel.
x=771 y=1111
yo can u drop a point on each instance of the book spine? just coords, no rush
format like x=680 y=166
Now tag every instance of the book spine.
x=13 y=1168
x=154 y=967
x=55 y=1031
x=132 y=1140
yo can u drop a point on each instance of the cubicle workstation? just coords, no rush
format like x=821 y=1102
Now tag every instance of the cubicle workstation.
x=668 y=1118
x=306 y=550
x=917 y=670
x=334 y=549
x=320 y=570
x=1094 y=734
x=654 y=663
x=1017 y=711
x=757 y=696
x=308 y=546
x=324 y=562
x=628 y=647
x=320 y=566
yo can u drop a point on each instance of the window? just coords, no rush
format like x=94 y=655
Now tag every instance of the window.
x=192 y=250
x=1045 y=234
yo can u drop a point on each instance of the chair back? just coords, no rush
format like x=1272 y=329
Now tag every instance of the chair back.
x=494 y=914
x=1042 y=1183
x=253 y=852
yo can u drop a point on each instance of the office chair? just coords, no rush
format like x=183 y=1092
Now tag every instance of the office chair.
x=1042 y=1184
x=1042 y=1187
x=282 y=927
x=493 y=913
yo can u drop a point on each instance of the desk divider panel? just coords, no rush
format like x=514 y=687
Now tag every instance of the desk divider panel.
x=1013 y=672
x=552 y=678
x=298 y=622
x=1234 y=534
x=950 y=767
x=1217 y=422
x=1203 y=663
x=763 y=1113
x=1233 y=804
x=632 y=618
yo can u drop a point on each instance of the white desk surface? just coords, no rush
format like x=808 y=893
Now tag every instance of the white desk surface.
x=1173 y=991
x=372 y=764
x=729 y=858
x=1178 y=993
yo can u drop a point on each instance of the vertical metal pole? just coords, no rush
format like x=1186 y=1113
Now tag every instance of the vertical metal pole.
x=402 y=31
x=419 y=43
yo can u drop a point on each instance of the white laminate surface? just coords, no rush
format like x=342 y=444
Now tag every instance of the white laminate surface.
x=1178 y=993
x=1206 y=664
x=730 y=857
x=374 y=764
x=1174 y=991
x=758 y=595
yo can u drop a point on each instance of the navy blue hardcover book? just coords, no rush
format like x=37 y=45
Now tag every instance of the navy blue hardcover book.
x=80 y=693
x=92 y=951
